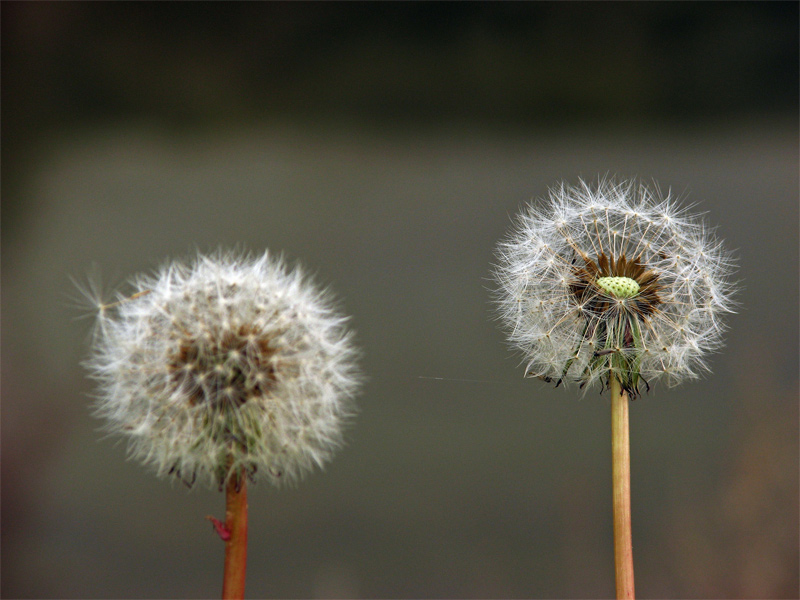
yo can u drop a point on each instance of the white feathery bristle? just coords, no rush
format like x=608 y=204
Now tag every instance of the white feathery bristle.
x=560 y=330
x=228 y=363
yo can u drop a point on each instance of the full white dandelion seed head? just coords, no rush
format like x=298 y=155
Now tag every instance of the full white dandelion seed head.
x=613 y=279
x=226 y=364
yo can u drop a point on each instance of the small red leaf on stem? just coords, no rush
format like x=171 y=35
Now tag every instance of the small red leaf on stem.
x=223 y=532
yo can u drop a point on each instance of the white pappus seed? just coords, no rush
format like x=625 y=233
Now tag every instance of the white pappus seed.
x=613 y=279
x=227 y=363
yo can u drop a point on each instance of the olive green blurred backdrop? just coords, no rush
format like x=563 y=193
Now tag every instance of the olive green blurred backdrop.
x=386 y=147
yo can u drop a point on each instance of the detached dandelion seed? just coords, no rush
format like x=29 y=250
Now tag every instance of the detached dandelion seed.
x=227 y=369
x=613 y=285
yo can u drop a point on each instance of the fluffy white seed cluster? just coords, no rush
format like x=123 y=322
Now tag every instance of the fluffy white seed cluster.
x=613 y=279
x=226 y=364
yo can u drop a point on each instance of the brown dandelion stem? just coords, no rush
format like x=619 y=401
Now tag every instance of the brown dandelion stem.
x=236 y=546
x=621 y=476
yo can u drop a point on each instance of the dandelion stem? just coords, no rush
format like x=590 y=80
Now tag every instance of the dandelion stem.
x=236 y=546
x=621 y=476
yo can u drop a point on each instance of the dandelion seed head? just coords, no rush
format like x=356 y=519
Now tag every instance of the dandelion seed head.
x=615 y=279
x=227 y=363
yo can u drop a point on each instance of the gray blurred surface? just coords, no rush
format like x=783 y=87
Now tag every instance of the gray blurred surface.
x=478 y=484
x=447 y=488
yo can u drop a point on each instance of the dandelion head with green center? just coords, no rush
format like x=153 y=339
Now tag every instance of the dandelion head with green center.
x=227 y=364
x=613 y=279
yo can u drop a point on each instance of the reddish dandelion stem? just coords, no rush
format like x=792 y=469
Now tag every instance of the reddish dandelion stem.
x=621 y=475
x=236 y=545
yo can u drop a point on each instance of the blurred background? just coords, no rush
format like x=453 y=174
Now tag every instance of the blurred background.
x=387 y=147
